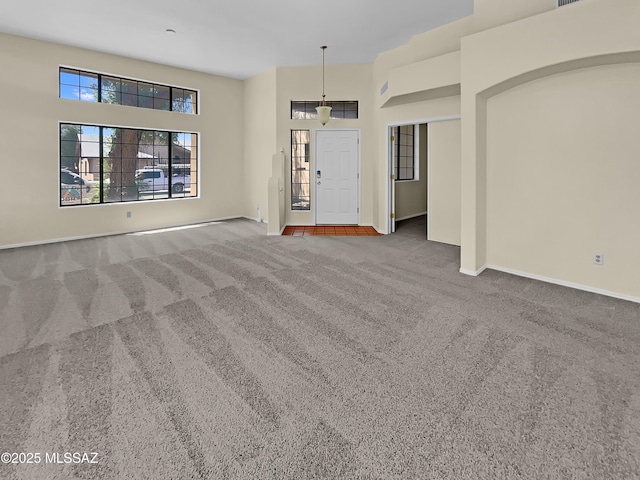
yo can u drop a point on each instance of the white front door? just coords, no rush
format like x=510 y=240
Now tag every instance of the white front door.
x=336 y=177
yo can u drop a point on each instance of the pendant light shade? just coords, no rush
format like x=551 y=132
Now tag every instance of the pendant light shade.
x=324 y=111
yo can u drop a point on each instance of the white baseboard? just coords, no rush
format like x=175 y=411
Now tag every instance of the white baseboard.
x=471 y=272
x=411 y=216
x=564 y=283
x=253 y=219
x=277 y=234
x=60 y=239
x=108 y=234
x=372 y=226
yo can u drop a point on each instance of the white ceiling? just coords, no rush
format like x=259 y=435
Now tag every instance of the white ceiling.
x=235 y=38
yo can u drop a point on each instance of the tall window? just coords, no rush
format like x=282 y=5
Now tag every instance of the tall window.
x=300 y=199
x=96 y=87
x=405 y=145
x=306 y=110
x=102 y=164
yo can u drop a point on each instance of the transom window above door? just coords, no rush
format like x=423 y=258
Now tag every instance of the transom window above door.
x=306 y=110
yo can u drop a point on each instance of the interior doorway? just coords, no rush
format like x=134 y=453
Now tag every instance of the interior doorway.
x=409 y=174
x=415 y=227
x=434 y=192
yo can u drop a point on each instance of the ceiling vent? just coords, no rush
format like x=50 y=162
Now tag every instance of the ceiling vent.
x=562 y=3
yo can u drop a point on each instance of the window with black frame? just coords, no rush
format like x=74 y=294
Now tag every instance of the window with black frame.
x=306 y=109
x=104 y=164
x=405 y=146
x=300 y=187
x=102 y=88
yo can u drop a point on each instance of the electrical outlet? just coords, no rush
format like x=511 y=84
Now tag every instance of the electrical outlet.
x=598 y=259
x=128 y=214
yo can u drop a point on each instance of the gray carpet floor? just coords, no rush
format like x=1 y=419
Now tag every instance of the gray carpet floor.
x=219 y=352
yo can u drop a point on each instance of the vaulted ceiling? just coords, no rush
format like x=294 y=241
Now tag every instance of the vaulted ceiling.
x=237 y=38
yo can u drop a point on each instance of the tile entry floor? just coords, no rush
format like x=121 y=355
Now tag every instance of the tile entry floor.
x=331 y=230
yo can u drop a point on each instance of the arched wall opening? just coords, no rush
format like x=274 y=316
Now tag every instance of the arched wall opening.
x=557 y=164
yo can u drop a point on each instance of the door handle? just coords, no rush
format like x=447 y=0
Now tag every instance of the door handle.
x=319 y=182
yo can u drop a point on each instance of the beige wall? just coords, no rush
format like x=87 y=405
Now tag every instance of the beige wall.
x=562 y=178
x=585 y=34
x=259 y=142
x=503 y=45
x=466 y=68
x=432 y=44
x=444 y=186
x=29 y=131
x=426 y=78
x=411 y=196
x=423 y=85
x=342 y=82
x=276 y=195
x=416 y=112
x=492 y=13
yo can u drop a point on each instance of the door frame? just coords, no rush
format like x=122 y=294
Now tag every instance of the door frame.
x=390 y=183
x=315 y=169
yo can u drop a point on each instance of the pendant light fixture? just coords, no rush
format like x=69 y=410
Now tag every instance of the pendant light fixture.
x=324 y=112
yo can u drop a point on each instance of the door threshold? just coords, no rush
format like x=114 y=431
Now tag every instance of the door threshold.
x=331 y=231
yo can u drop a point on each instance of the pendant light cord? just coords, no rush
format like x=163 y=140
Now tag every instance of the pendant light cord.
x=324 y=47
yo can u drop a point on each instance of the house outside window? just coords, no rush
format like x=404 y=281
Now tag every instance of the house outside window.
x=306 y=110
x=300 y=155
x=104 y=164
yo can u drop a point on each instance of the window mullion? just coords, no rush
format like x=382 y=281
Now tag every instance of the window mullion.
x=101 y=166
x=187 y=99
x=170 y=165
